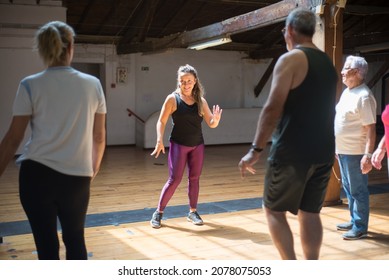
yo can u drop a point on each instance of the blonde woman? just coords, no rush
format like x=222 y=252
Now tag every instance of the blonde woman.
x=66 y=111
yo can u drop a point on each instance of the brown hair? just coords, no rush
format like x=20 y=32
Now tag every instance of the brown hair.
x=198 y=90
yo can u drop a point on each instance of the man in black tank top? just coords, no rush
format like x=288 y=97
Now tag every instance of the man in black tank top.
x=300 y=111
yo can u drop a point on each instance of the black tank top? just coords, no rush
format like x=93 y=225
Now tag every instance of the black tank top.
x=306 y=129
x=186 y=129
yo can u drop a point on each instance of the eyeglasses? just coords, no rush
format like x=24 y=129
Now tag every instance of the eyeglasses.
x=348 y=68
x=283 y=31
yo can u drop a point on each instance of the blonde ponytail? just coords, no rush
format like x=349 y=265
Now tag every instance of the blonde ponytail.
x=52 y=41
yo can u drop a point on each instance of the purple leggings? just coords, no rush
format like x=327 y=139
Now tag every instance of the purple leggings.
x=179 y=157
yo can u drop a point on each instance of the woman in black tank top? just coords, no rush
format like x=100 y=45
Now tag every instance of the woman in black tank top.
x=188 y=108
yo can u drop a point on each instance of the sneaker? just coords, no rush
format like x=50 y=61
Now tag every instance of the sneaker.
x=354 y=235
x=195 y=218
x=155 y=221
x=345 y=226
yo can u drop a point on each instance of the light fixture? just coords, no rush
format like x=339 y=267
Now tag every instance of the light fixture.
x=210 y=43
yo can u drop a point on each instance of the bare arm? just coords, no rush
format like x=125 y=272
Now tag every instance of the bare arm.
x=288 y=73
x=99 y=135
x=379 y=154
x=12 y=140
x=212 y=118
x=168 y=107
x=366 y=164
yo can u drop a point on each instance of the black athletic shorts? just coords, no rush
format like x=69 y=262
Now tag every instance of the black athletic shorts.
x=294 y=186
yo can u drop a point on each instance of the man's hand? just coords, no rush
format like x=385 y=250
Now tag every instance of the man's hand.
x=247 y=162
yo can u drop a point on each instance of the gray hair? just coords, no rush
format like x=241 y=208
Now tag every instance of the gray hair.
x=359 y=63
x=52 y=40
x=303 y=21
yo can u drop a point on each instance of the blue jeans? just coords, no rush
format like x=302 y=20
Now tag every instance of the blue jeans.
x=355 y=186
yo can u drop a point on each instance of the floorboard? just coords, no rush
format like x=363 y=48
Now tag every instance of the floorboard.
x=126 y=191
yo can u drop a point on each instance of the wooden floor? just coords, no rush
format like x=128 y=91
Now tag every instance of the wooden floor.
x=130 y=179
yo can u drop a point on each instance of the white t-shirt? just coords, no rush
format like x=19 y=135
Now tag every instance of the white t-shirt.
x=62 y=103
x=355 y=109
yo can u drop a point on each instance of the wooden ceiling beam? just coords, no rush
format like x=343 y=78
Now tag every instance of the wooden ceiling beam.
x=333 y=39
x=262 y=82
x=256 y=19
x=378 y=75
x=151 y=9
x=366 y=10
x=241 y=2
x=110 y=14
x=135 y=22
x=84 y=15
x=177 y=10
x=363 y=40
x=259 y=18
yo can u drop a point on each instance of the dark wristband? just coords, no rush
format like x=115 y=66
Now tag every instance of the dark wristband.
x=256 y=149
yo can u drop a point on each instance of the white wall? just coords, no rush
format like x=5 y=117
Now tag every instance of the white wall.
x=119 y=97
x=228 y=80
x=18 y=26
x=227 y=77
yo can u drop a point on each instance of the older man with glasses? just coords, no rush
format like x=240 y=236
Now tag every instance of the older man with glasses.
x=355 y=133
